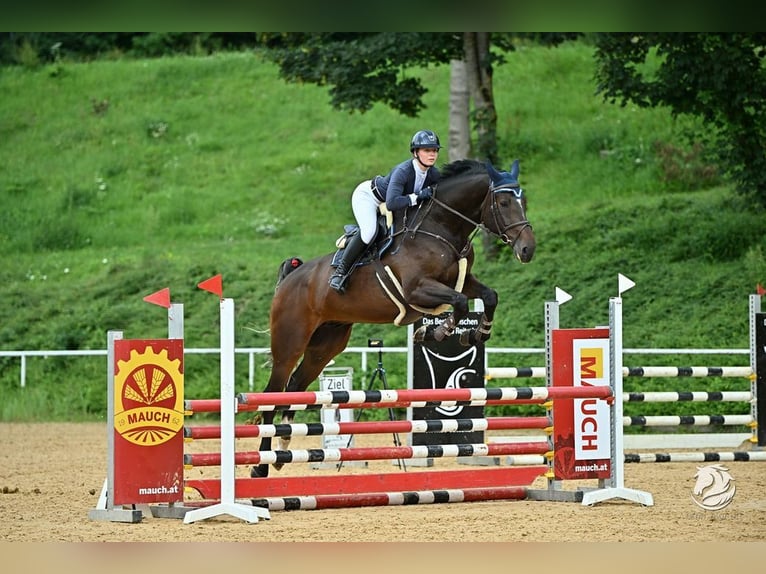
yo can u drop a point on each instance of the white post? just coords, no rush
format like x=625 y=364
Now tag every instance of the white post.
x=105 y=509
x=617 y=488
x=251 y=371
x=754 y=308
x=616 y=380
x=175 y=331
x=554 y=492
x=227 y=505
x=551 y=324
x=176 y=321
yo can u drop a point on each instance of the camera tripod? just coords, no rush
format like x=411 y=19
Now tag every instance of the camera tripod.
x=378 y=374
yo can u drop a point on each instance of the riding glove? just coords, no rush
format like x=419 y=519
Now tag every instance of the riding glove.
x=424 y=194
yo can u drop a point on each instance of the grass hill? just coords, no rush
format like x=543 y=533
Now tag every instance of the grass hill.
x=123 y=177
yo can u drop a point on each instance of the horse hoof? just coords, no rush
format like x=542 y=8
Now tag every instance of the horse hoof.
x=482 y=336
x=278 y=465
x=420 y=335
x=261 y=471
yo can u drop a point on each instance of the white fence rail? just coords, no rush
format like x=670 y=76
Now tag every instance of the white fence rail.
x=251 y=352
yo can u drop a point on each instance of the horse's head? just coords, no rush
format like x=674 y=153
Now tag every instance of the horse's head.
x=505 y=212
x=500 y=208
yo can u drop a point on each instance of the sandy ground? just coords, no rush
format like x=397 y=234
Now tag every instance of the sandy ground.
x=51 y=476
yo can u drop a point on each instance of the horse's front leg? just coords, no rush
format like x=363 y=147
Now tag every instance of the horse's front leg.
x=431 y=294
x=474 y=289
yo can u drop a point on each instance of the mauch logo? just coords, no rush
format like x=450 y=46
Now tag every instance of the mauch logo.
x=714 y=488
x=591 y=416
x=148 y=407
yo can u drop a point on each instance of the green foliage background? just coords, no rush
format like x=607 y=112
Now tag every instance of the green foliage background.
x=121 y=177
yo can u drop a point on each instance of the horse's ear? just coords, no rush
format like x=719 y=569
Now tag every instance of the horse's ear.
x=494 y=175
x=504 y=177
x=515 y=170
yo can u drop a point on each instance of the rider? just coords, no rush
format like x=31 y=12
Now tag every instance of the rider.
x=406 y=185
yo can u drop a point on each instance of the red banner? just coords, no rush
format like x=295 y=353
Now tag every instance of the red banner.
x=148 y=421
x=581 y=430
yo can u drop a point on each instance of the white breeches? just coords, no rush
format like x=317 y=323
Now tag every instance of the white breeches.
x=365 y=207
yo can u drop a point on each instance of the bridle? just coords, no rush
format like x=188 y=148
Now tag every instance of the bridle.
x=518 y=194
x=502 y=230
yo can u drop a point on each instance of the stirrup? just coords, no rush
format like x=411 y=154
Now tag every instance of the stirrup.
x=338 y=282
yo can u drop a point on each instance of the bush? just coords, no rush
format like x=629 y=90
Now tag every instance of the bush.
x=685 y=169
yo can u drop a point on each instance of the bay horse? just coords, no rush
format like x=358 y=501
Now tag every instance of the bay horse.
x=426 y=270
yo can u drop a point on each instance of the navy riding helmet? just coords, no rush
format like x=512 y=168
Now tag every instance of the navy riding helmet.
x=424 y=138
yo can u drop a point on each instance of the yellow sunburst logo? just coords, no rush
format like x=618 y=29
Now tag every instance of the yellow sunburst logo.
x=148 y=401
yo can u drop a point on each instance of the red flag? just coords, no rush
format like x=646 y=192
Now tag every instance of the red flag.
x=161 y=298
x=759 y=289
x=214 y=285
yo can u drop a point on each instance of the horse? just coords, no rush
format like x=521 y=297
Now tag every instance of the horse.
x=424 y=270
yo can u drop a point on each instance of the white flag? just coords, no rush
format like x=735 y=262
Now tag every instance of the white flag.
x=623 y=283
x=562 y=296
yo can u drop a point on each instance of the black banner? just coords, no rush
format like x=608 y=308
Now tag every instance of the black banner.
x=448 y=364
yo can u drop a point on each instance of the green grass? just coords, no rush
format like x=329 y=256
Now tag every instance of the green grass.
x=120 y=178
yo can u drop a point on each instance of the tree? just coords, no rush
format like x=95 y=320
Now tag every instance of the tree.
x=720 y=78
x=459 y=145
x=364 y=68
x=39 y=47
x=361 y=68
x=477 y=56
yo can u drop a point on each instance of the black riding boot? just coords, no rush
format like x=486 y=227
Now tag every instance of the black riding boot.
x=354 y=248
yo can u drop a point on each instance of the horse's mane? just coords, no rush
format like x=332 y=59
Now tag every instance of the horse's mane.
x=462 y=167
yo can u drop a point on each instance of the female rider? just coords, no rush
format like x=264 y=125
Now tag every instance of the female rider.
x=406 y=185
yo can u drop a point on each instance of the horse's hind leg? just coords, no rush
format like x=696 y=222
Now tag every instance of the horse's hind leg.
x=279 y=373
x=286 y=351
x=326 y=343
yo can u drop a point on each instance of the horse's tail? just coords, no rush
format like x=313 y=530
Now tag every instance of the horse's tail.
x=286 y=267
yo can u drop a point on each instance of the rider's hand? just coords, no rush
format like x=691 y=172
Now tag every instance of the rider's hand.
x=424 y=194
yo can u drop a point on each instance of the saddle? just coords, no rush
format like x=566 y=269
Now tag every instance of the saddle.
x=381 y=243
